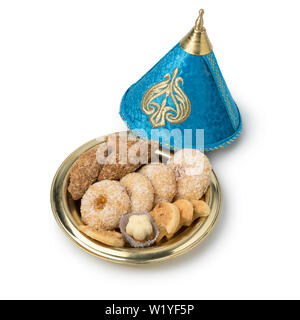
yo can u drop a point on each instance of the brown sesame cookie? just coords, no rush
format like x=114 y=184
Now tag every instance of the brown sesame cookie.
x=83 y=173
x=127 y=158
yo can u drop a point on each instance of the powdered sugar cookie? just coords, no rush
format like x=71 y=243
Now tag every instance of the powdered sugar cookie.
x=103 y=204
x=140 y=191
x=163 y=181
x=192 y=170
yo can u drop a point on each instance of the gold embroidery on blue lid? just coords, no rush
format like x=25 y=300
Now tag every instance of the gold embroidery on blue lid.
x=223 y=90
x=160 y=113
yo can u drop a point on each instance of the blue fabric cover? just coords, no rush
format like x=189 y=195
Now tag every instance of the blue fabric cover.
x=212 y=107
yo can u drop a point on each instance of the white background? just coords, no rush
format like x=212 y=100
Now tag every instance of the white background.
x=64 y=66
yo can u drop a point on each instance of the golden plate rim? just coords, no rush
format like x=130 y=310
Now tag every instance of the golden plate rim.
x=179 y=245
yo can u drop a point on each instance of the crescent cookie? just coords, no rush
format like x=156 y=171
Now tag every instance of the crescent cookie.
x=111 y=238
x=186 y=210
x=103 y=204
x=140 y=191
x=167 y=217
x=163 y=181
x=201 y=209
x=192 y=170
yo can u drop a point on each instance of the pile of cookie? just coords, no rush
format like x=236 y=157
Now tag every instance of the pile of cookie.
x=128 y=197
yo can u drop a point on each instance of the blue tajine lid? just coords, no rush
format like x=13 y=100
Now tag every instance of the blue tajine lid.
x=184 y=90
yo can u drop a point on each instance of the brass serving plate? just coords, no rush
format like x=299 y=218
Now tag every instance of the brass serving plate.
x=67 y=214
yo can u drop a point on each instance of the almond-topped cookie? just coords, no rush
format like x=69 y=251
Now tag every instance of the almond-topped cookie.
x=139 y=229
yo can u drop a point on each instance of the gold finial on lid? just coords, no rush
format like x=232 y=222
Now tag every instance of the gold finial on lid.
x=196 y=41
x=199 y=21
